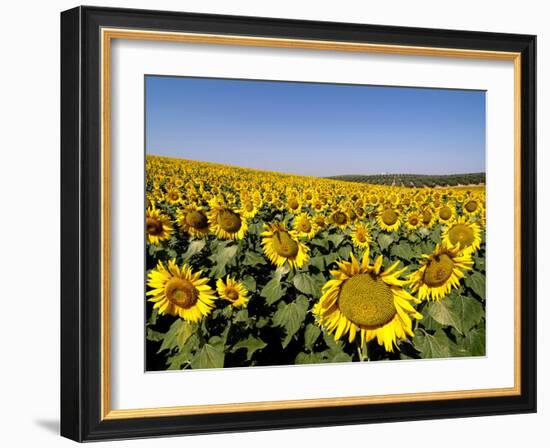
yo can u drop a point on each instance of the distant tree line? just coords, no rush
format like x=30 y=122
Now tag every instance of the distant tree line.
x=416 y=180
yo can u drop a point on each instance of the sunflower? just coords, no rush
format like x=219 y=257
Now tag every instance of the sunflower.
x=360 y=236
x=361 y=298
x=294 y=204
x=440 y=272
x=446 y=213
x=180 y=291
x=158 y=226
x=340 y=219
x=233 y=291
x=282 y=245
x=193 y=220
x=471 y=206
x=305 y=226
x=413 y=221
x=227 y=223
x=428 y=218
x=465 y=233
x=388 y=219
x=248 y=209
x=172 y=196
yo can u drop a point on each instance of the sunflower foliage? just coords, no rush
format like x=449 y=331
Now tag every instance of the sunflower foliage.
x=254 y=268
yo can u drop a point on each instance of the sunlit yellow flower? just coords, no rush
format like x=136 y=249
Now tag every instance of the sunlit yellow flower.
x=283 y=246
x=193 y=220
x=388 y=219
x=465 y=233
x=446 y=213
x=226 y=223
x=360 y=298
x=157 y=226
x=233 y=291
x=305 y=226
x=180 y=291
x=440 y=272
x=360 y=237
x=413 y=221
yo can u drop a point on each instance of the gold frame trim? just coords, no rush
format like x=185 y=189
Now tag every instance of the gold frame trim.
x=107 y=35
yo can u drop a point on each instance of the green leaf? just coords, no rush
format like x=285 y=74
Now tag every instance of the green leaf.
x=251 y=344
x=340 y=357
x=402 y=250
x=185 y=332
x=336 y=239
x=460 y=312
x=184 y=356
x=310 y=358
x=170 y=341
x=476 y=282
x=311 y=334
x=435 y=234
x=318 y=262
x=253 y=258
x=209 y=356
x=290 y=316
x=384 y=240
x=154 y=335
x=437 y=345
x=221 y=258
x=194 y=248
x=250 y=283
x=474 y=342
x=273 y=290
x=242 y=316
x=307 y=284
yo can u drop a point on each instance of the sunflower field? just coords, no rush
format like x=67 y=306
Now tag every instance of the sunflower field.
x=256 y=268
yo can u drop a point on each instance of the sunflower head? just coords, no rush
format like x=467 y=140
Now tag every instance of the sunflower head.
x=362 y=299
x=158 y=226
x=440 y=272
x=227 y=223
x=283 y=246
x=305 y=226
x=464 y=233
x=193 y=220
x=233 y=291
x=388 y=219
x=179 y=291
x=360 y=236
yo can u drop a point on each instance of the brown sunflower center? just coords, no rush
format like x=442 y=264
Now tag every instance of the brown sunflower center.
x=304 y=225
x=154 y=226
x=438 y=270
x=196 y=219
x=445 y=213
x=340 y=218
x=309 y=196
x=293 y=204
x=231 y=294
x=426 y=218
x=284 y=244
x=461 y=233
x=360 y=235
x=389 y=217
x=471 y=206
x=248 y=206
x=181 y=292
x=367 y=300
x=413 y=220
x=173 y=195
x=229 y=221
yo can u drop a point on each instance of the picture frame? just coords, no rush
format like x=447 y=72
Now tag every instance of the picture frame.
x=87 y=34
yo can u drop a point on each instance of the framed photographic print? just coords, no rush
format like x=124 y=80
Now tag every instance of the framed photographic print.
x=273 y=223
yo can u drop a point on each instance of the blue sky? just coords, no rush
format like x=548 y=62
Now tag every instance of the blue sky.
x=316 y=129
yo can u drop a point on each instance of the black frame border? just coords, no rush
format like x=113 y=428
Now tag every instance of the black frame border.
x=81 y=223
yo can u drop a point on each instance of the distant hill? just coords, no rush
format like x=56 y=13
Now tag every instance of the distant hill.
x=415 y=180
